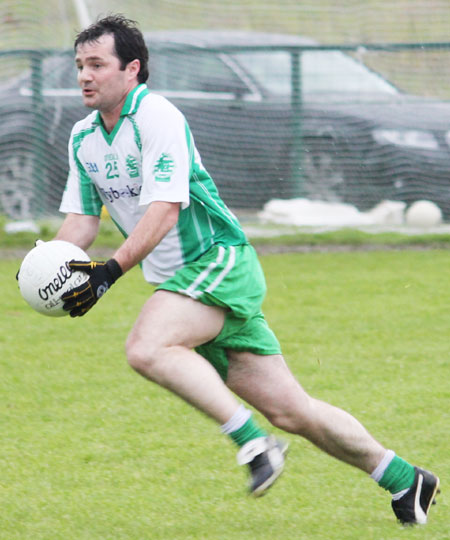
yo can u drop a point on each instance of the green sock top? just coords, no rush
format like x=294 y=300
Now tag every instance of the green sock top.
x=249 y=431
x=398 y=476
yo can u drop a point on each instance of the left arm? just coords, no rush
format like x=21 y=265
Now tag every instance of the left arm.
x=157 y=221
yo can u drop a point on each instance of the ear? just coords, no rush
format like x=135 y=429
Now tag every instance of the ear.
x=133 y=68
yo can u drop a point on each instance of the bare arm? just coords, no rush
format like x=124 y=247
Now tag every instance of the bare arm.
x=79 y=229
x=159 y=218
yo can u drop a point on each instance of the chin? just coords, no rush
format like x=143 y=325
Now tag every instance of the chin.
x=89 y=102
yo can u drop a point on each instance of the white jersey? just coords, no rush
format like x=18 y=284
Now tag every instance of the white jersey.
x=149 y=156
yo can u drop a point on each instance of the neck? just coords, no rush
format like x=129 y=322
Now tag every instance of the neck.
x=110 y=117
x=110 y=120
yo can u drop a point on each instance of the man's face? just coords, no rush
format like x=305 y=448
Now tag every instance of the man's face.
x=103 y=84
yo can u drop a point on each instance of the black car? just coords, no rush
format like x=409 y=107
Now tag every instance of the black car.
x=273 y=116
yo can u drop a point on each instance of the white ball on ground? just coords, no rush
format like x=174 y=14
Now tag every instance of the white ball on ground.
x=423 y=214
x=44 y=275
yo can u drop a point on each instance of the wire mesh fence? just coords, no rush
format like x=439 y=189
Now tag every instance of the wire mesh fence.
x=331 y=101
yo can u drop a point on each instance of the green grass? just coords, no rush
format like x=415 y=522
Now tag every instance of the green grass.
x=262 y=236
x=91 y=451
x=108 y=237
x=353 y=237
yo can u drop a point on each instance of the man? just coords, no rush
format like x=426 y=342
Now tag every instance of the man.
x=202 y=334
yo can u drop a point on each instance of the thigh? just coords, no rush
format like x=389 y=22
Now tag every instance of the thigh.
x=266 y=383
x=251 y=335
x=170 y=319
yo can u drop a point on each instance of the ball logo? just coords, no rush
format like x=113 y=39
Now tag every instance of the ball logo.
x=45 y=275
x=62 y=275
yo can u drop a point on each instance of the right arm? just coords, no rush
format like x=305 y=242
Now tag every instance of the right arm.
x=80 y=229
x=81 y=206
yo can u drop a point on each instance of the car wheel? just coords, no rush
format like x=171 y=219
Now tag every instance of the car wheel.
x=325 y=171
x=16 y=188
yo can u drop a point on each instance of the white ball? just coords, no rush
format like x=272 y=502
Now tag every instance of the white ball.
x=45 y=275
x=423 y=214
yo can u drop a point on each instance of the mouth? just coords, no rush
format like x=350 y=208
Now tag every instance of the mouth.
x=88 y=92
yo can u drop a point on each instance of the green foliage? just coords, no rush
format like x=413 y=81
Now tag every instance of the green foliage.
x=89 y=450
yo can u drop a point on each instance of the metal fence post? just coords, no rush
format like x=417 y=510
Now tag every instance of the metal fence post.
x=38 y=132
x=297 y=120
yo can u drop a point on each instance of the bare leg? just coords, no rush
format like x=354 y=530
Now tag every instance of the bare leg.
x=267 y=383
x=159 y=348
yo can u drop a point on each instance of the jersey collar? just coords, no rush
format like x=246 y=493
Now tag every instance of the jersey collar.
x=131 y=104
x=134 y=99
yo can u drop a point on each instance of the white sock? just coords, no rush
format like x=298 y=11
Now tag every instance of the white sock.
x=237 y=420
x=377 y=474
x=399 y=495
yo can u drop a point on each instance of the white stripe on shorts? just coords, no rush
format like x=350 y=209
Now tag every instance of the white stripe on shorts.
x=191 y=290
x=224 y=272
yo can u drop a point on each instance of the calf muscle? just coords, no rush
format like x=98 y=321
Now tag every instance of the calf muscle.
x=266 y=383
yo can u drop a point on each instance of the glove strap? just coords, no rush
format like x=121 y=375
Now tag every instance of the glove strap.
x=114 y=269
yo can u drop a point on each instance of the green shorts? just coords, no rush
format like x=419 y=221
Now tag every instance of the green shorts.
x=229 y=277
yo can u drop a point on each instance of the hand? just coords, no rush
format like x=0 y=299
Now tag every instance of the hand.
x=101 y=276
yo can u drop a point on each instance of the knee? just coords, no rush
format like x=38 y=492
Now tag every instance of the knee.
x=141 y=356
x=293 y=416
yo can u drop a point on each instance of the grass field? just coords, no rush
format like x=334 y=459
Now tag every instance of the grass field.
x=90 y=451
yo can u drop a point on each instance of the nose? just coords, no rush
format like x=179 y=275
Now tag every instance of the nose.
x=84 y=75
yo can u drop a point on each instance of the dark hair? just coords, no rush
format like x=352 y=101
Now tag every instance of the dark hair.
x=129 y=42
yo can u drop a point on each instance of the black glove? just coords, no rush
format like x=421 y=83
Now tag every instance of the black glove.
x=101 y=276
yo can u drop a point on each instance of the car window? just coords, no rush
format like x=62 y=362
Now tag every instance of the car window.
x=196 y=71
x=322 y=72
x=333 y=71
x=270 y=69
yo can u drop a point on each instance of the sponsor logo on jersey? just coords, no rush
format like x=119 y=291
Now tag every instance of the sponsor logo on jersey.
x=132 y=166
x=91 y=167
x=114 y=194
x=164 y=168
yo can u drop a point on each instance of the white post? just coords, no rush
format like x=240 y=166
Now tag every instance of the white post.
x=82 y=13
